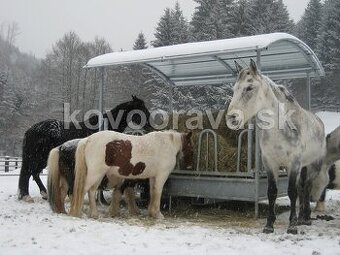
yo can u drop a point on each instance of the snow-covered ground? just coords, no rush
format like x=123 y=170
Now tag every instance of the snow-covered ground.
x=330 y=119
x=34 y=229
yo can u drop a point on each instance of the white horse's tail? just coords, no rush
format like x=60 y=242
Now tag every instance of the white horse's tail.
x=80 y=178
x=53 y=182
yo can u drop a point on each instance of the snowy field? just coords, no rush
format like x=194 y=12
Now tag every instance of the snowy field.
x=34 y=229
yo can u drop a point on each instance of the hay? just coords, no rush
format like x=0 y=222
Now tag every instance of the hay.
x=227 y=141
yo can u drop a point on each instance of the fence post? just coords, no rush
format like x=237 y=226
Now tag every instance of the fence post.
x=6 y=164
x=16 y=163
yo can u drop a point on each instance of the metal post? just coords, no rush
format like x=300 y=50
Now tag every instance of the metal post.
x=171 y=88
x=6 y=164
x=258 y=58
x=101 y=89
x=257 y=169
x=239 y=147
x=308 y=92
x=250 y=146
x=257 y=149
x=106 y=124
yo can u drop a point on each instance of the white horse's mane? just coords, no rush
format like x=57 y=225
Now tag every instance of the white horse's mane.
x=280 y=91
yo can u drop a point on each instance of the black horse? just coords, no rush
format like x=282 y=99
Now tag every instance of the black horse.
x=45 y=135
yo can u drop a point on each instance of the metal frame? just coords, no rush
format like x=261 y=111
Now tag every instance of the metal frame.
x=246 y=186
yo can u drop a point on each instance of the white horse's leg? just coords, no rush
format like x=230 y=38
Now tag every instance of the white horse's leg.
x=292 y=194
x=152 y=194
x=272 y=195
x=309 y=176
x=116 y=195
x=130 y=199
x=115 y=202
x=156 y=188
x=92 y=201
x=91 y=186
x=320 y=206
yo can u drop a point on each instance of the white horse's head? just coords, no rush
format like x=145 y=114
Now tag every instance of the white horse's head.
x=250 y=92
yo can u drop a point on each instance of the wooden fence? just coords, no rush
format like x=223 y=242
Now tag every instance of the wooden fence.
x=9 y=164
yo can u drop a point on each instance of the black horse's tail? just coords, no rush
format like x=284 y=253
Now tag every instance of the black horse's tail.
x=54 y=183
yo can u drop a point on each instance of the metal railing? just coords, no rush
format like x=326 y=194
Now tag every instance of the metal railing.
x=207 y=132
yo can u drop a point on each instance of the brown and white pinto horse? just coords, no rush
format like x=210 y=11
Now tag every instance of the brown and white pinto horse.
x=121 y=156
x=61 y=180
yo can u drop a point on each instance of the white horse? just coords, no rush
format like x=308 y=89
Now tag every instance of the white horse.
x=290 y=138
x=122 y=156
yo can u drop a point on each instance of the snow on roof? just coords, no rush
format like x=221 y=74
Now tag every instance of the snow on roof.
x=212 y=62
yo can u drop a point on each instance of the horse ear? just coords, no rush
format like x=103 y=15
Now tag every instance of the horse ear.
x=238 y=67
x=253 y=66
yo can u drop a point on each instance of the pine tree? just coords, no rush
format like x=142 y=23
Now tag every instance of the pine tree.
x=164 y=30
x=140 y=42
x=225 y=18
x=212 y=20
x=240 y=22
x=268 y=16
x=203 y=24
x=181 y=26
x=172 y=28
x=308 y=27
x=328 y=42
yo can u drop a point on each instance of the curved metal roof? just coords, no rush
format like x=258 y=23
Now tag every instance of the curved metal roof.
x=282 y=56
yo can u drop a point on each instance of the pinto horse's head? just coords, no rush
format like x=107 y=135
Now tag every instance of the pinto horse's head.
x=187 y=151
x=249 y=94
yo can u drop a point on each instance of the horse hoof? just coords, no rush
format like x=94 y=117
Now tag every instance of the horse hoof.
x=44 y=195
x=304 y=222
x=114 y=212
x=320 y=207
x=159 y=216
x=268 y=230
x=134 y=212
x=27 y=199
x=292 y=230
x=94 y=215
x=75 y=215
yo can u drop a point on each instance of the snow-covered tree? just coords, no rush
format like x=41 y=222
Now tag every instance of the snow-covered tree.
x=328 y=45
x=268 y=16
x=240 y=22
x=212 y=20
x=164 y=30
x=172 y=28
x=140 y=42
x=181 y=26
x=308 y=27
